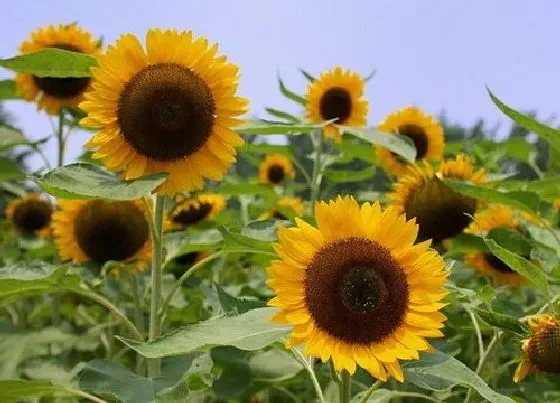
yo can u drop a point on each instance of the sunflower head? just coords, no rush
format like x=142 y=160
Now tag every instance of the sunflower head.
x=493 y=217
x=541 y=351
x=53 y=94
x=30 y=215
x=183 y=263
x=357 y=289
x=193 y=210
x=169 y=109
x=337 y=94
x=276 y=169
x=440 y=212
x=291 y=205
x=425 y=132
x=100 y=231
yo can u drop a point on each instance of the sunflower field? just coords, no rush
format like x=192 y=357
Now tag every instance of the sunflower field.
x=187 y=257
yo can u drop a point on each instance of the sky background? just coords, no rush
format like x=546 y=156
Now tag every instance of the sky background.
x=435 y=54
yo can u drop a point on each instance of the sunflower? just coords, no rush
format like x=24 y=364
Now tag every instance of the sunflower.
x=184 y=262
x=53 y=94
x=30 y=215
x=357 y=289
x=495 y=216
x=541 y=351
x=337 y=94
x=193 y=210
x=169 y=109
x=422 y=129
x=286 y=205
x=275 y=169
x=440 y=212
x=100 y=231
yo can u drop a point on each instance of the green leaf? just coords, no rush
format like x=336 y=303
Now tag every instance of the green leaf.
x=258 y=127
x=351 y=149
x=8 y=90
x=546 y=132
x=400 y=145
x=237 y=242
x=289 y=94
x=438 y=371
x=549 y=237
x=10 y=137
x=180 y=243
x=511 y=240
x=85 y=181
x=546 y=187
x=249 y=331
x=231 y=304
x=267 y=149
x=282 y=115
x=307 y=75
x=9 y=170
x=338 y=176
x=520 y=265
x=273 y=366
x=245 y=188
x=506 y=322
x=527 y=201
x=378 y=396
x=17 y=390
x=235 y=378
x=263 y=230
x=51 y=62
x=467 y=243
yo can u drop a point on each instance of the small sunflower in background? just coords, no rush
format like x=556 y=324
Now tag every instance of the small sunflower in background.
x=53 y=93
x=30 y=215
x=184 y=262
x=169 y=109
x=276 y=169
x=100 y=231
x=286 y=206
x=541 y=351
x=493 y=217
x=425 y=132
x=189 y=211
x=440 y=212
x=337 y=94
x=357 y=289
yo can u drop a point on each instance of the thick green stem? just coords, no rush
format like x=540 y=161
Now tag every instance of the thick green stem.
x=316 y=177
x=345 y=387
x=138 y=318
x=154 y=365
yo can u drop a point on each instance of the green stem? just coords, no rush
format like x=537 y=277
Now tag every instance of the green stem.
x=415 y=395
x=478 y=336
x=85 y=395
x=345 y=391
x=138 y=318
x=303 y=171
x=483 y=359
x=316 y=176
x=370 y=391
x=154 y=365
x=299 y=356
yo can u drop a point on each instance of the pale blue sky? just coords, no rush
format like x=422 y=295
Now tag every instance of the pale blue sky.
x=436 y=54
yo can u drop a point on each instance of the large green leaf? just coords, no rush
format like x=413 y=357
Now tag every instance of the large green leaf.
x=438 y=371
x=9 y=170
x=235 y=377
x=85 y=181
x=262 y=128
x=8 y=90
x=512 y=240
x=339 y=176
x=51 y=62
x=523 y=200
x=180 y=243
x=519 y=264
x=549 y=237
x=249 y=331
x=400 y=145
x=546 y=187
x=17 y=390
x=10 y=137
x=466 y=243
x=274 y=366
x=548 y=133
x=236 y=242
x=503 y=321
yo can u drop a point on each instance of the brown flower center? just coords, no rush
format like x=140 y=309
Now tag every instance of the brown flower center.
x=355 y=291
x=61 y=88
x=193 y=214
x=336 y=103
x=418 y=137
x=166 y=112
x=111 y=230
x=32 y=215
x=544 y=349
x=275 y=174
x=497 y=264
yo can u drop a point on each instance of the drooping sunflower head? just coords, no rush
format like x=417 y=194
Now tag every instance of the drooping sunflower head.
x=51 y=93
x=493 y=217
x=276 y=169
x=337 y=94
x=30 y=215
x=440 y=212
x=286 y=207
x=357 y=289
x=541 y=351
x=169 y=109
x=195 y=209
x=100 y=231
x=425 y=132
